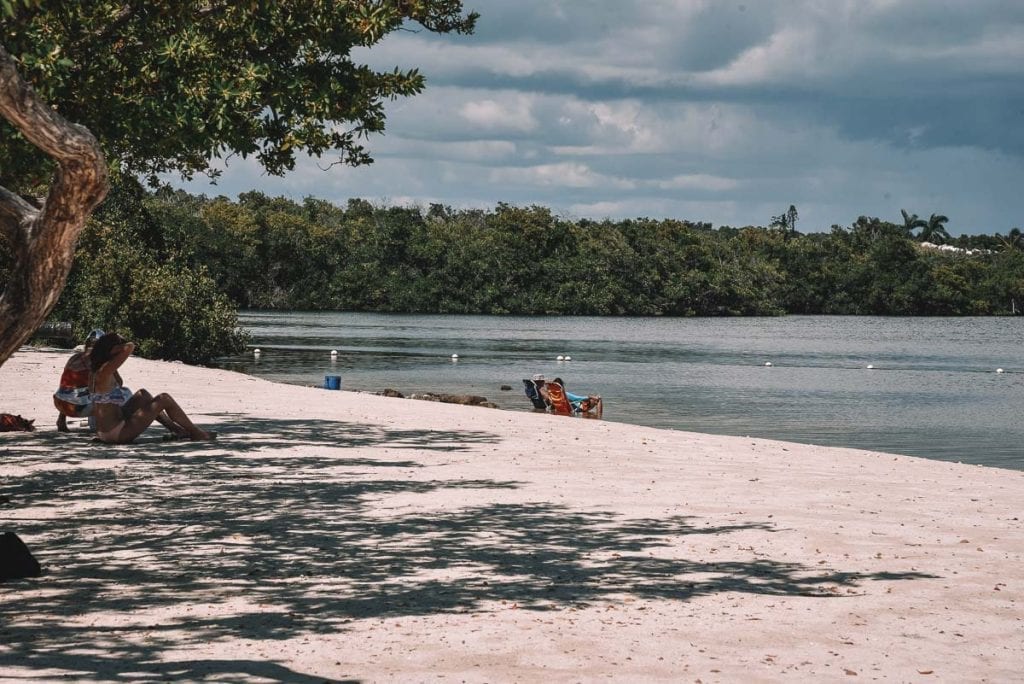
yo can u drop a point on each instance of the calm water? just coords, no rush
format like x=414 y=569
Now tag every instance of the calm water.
x=933 y=391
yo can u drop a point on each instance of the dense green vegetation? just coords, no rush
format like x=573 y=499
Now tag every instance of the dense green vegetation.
x=267 y=252
x=127 y=279
x=169 y=268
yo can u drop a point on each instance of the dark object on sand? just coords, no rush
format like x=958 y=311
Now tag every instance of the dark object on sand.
x=506 y=388
x=12 y=423
x=16 y=561
x=393 y=393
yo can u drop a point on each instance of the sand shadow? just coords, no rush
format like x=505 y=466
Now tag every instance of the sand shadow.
x=317 y=543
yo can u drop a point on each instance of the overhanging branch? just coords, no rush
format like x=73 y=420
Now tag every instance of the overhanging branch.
x=43 y=240
x=41 y=125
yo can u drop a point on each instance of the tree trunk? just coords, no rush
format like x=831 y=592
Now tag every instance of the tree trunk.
x=43 y=239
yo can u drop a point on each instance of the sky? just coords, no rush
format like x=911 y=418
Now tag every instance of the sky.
x=705 y=110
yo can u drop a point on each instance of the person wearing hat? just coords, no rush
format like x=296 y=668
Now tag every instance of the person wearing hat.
x=72 y=396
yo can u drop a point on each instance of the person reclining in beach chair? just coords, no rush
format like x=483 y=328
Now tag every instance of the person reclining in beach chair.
x=589 y=406
x=565 y=403
x=535 y=393
x=554 y=392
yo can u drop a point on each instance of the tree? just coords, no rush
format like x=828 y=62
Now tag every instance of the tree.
x=791 y=218
x=912 y=222
x=786 y=222
x=934 y=229
x=1013 y=241
x=169 y=310
x=147 y=87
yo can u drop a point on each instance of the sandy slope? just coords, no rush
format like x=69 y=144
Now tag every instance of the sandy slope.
x=335 y=536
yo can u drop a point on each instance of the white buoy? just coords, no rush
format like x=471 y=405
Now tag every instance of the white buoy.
x=455 y=357
x=255 y=352
x=568 y=358
x=870 y=367
x=768 y=364
x=999 y=370
x=334 y=352
x=560 y=358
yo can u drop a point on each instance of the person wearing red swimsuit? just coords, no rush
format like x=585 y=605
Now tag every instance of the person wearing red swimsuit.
x=72 y=396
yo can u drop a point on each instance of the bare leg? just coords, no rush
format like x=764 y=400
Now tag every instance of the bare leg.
x=143 y=397
x=144 y=416
x=62 y=422
x=178 y=416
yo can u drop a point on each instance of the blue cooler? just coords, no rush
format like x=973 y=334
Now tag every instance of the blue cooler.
x=332 y=382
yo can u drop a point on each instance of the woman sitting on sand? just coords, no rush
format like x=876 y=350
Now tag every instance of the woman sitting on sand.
x=113 y=424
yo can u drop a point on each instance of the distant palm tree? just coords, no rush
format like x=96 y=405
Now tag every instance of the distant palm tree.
x=1015 y=240
x=911 y=222
x=933 y=230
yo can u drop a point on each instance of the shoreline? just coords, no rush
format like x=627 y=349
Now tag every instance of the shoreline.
x=340 y=536
x=501 y=401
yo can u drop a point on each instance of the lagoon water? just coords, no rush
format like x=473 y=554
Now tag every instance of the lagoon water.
x=933 y=392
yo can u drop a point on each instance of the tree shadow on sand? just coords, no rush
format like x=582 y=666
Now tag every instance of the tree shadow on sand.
x=315 y=543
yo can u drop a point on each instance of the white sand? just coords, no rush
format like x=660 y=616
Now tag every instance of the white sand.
x=335 y=536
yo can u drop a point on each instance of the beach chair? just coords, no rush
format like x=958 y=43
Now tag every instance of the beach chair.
x=560 y=404
x=533 y=393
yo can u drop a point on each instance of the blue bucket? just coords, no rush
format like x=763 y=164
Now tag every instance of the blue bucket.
x=332 y=382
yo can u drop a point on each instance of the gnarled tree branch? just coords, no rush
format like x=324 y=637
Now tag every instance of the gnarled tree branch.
x=16 y=215
x=43 y=240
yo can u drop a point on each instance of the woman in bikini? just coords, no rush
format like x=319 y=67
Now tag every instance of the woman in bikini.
x=114 y=425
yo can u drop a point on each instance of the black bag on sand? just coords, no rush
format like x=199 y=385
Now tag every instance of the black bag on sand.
x=15 y=559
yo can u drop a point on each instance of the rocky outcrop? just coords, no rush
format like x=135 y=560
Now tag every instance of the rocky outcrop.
x=462 y=399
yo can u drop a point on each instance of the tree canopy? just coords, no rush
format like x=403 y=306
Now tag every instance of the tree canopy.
x=145 y=87
x=272 y=252
x=170 y=85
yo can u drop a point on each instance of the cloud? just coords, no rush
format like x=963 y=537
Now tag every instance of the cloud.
x=697 y=181
x=564 y=174
x=725 y=112
x=512 y=114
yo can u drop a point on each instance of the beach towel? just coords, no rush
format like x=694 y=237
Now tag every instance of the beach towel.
x=12 y=423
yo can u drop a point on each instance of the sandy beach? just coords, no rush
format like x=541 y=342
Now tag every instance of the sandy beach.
x=344 y=537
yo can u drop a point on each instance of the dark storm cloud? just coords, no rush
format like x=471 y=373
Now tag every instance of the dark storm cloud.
x=907 y=74
x=710 y=110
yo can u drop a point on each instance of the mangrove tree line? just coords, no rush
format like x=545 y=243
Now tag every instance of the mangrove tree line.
x=173 y=256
